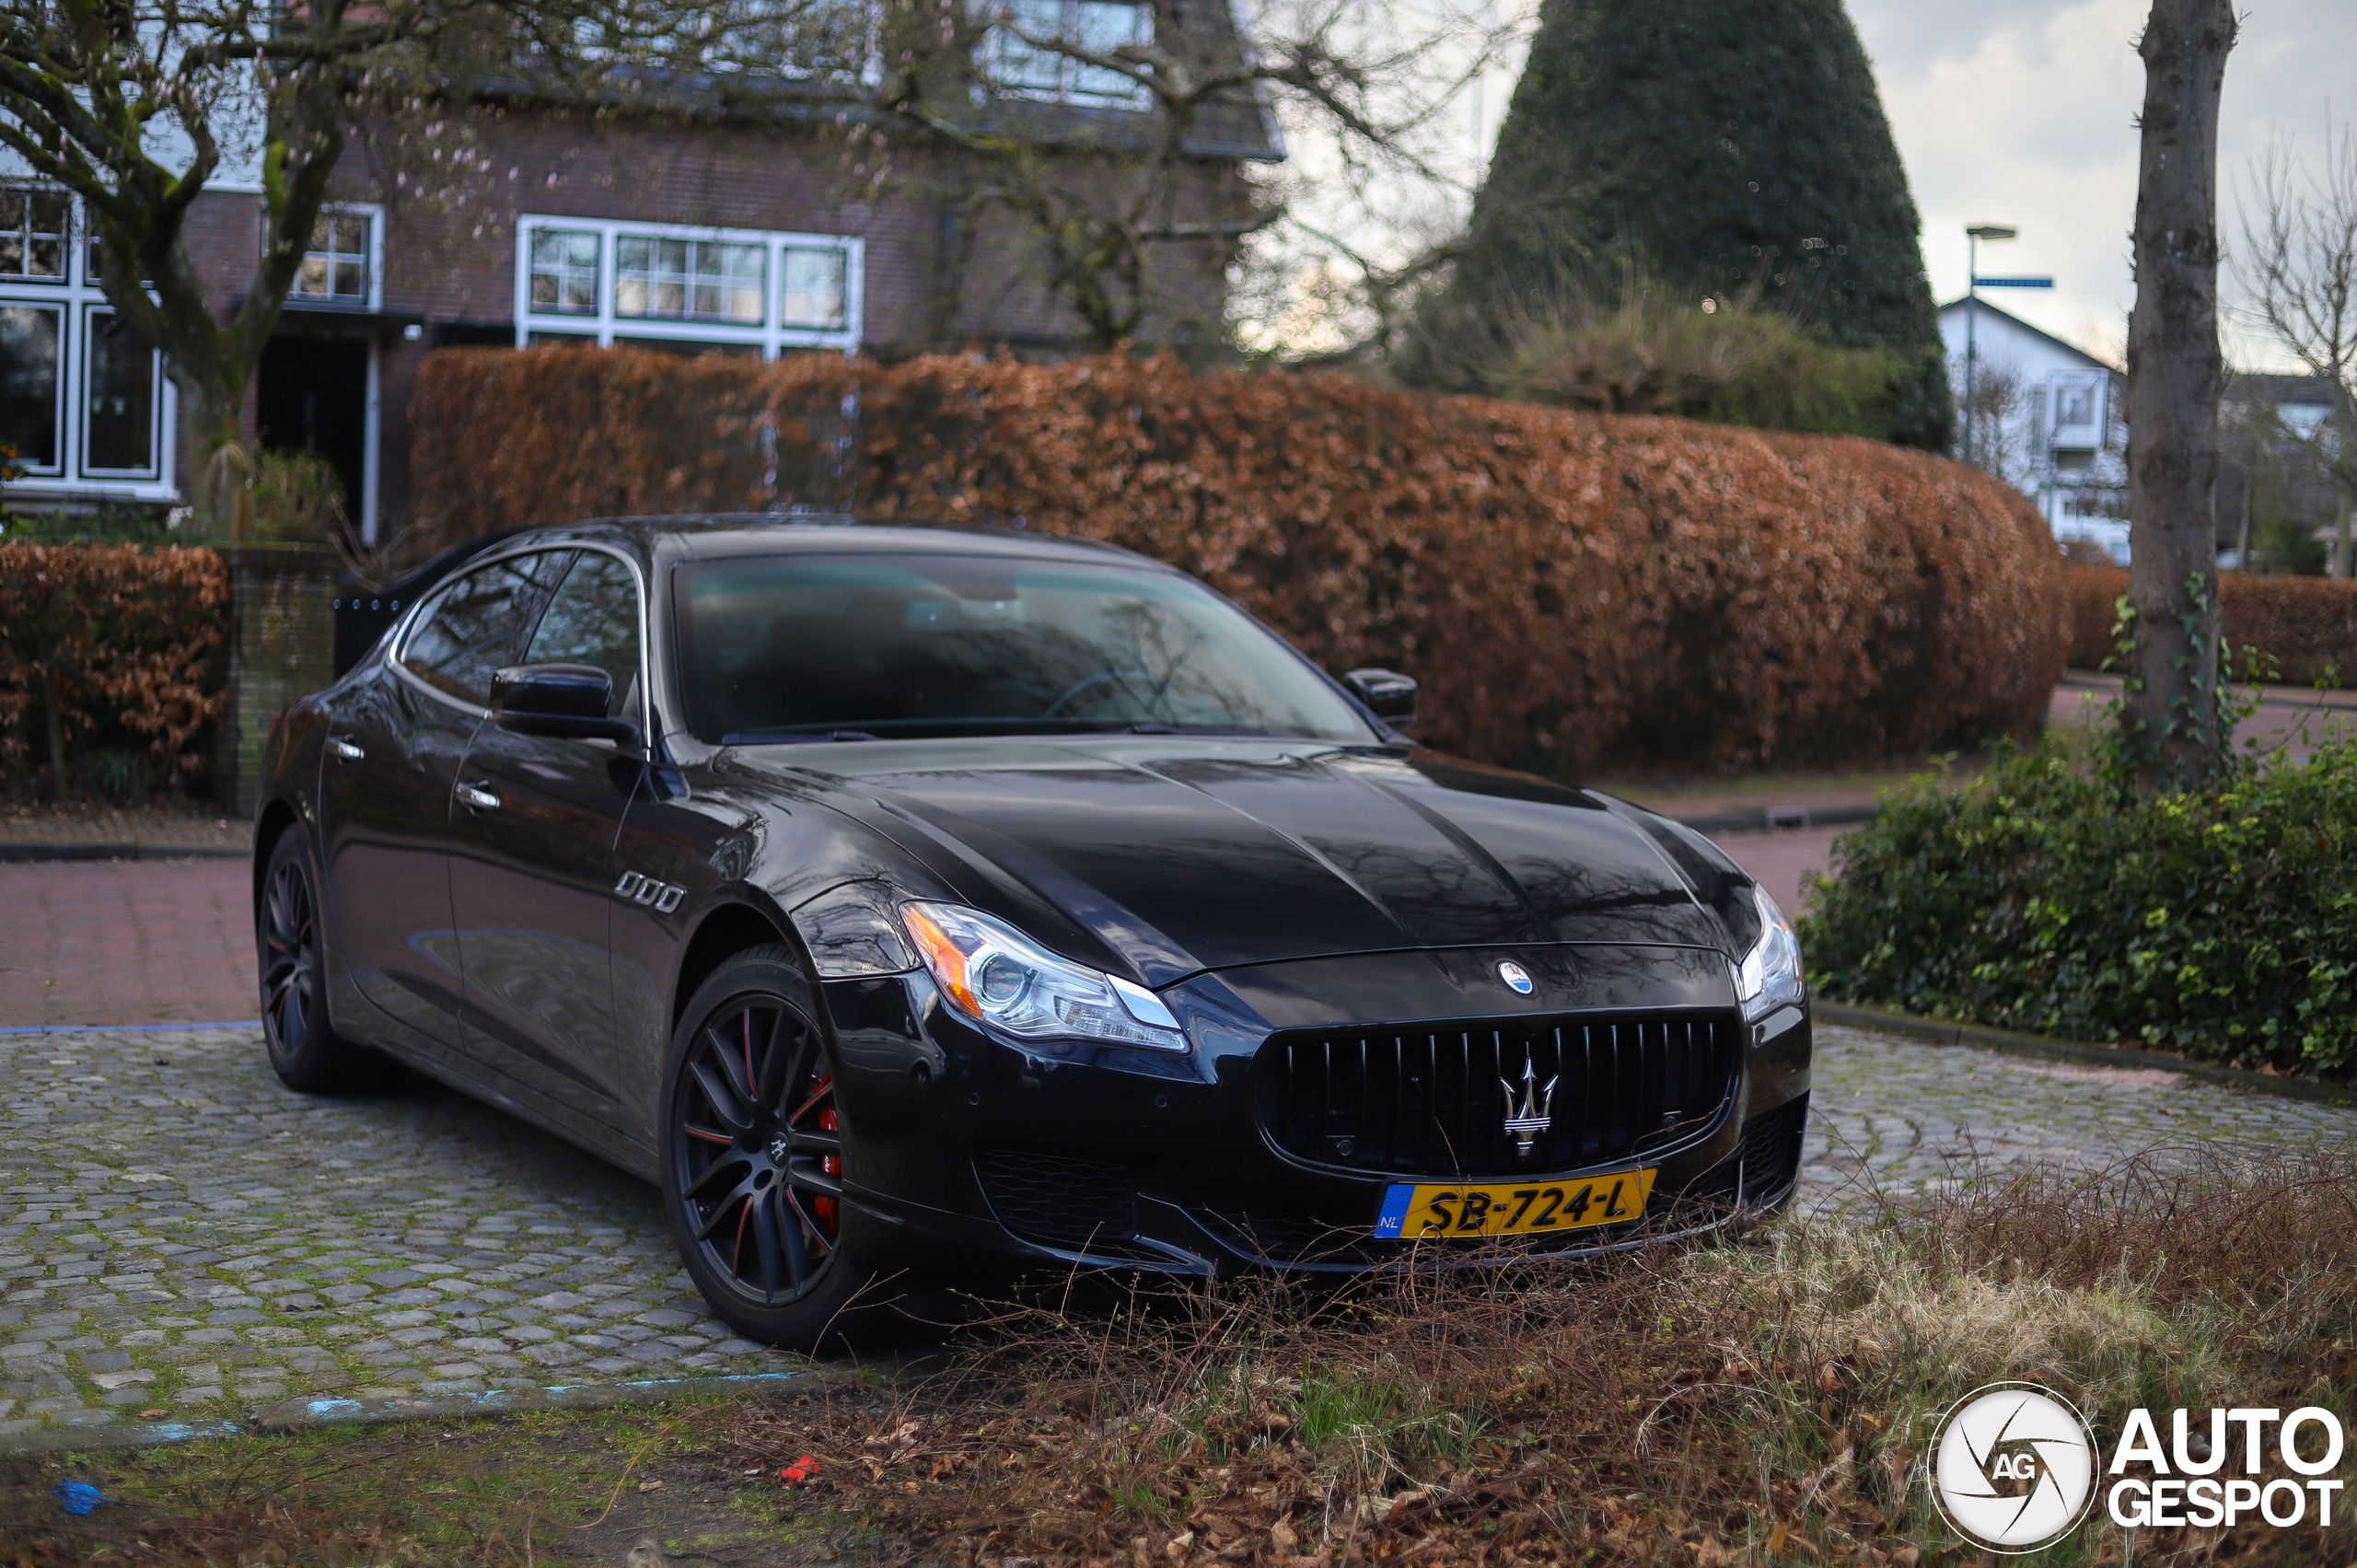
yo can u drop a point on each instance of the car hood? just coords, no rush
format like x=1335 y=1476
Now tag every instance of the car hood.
x=1178 y=854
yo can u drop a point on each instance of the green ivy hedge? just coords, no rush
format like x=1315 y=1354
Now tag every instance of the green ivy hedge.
x=2045 y=896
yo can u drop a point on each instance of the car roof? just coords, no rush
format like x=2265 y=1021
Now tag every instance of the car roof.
x=713 y=535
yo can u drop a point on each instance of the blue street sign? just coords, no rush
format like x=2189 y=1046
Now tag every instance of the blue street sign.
x=2013 y=283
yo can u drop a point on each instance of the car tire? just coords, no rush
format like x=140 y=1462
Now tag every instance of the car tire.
x=305 y=1050
x=752 y=1157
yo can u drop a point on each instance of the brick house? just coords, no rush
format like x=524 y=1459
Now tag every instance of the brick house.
x=694 y=235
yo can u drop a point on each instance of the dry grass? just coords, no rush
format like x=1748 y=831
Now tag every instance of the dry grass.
x=1769 y=1400
x=1763 y=1402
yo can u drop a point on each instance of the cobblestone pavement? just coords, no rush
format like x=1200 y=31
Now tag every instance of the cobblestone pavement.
x=181 y=1234
x=1900 y=1116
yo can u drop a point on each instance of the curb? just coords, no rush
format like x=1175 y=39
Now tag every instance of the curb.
x=302 y=1414
x=1938 y=1031
x=28 y=854
x=122 y=1028
x=1777 y=819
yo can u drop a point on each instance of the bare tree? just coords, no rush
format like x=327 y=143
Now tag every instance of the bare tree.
x=1997 y=402
x=1109 y=200
x=138 y=106
x=2298 y=269
x=2175 y=718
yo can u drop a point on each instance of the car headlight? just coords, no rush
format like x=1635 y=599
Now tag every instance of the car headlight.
x=1769 y=975
x=996 y=975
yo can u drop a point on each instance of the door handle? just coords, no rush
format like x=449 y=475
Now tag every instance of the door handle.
x=343 y=751
x=474 y=797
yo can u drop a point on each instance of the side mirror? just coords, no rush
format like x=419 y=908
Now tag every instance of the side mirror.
x=1388 y=695
x=565 y=700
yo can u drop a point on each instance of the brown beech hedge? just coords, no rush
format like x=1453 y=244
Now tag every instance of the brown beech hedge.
x=107 y=643
x=2304 y=627
x=1572 y=588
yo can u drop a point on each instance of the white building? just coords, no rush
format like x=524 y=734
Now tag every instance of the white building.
x=2050 y=419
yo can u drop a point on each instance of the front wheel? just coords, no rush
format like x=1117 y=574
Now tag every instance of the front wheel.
x=305 y=1050
x=753 y=1159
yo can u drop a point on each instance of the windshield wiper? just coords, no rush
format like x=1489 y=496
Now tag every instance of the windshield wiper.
x=779 y=737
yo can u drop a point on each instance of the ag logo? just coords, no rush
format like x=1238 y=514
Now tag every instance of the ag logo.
x=2012 y=1468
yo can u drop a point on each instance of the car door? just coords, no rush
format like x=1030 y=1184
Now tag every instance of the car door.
x=532 y=868
x=393 y=751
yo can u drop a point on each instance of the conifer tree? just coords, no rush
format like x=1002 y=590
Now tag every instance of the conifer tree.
x=1727 y=146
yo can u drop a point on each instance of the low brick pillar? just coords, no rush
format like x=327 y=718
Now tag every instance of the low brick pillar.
x=282 y=646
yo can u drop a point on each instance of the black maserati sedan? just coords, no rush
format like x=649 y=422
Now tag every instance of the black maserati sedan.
x=931 y=903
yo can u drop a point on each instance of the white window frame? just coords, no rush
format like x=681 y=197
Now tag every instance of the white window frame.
x=78 y=297
x=154 y=471
x=375 y=299
x=1132 y=96
x=772 y=336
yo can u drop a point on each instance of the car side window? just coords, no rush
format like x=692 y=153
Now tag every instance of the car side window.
x=478 y=623
x=593 y=619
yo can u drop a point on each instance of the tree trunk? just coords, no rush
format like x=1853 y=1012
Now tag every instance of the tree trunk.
x=220 y=461
x=2176 y=374
x=55 y=718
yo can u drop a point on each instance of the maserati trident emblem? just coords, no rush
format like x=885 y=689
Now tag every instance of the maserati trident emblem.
x=780 y=1150
x=1536 y=1112
x=1517 y=978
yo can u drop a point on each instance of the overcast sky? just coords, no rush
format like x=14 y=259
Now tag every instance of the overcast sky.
x=2023 y=112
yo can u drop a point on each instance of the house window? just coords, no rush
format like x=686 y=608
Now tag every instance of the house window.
x=32 y=345
x=1093 y=27
x=564 y=272
x=335 y=269
x=812 y=286
x=34 y=229
x=699 y=280
x=118 y=437
x=83 y=402
x=693 y=291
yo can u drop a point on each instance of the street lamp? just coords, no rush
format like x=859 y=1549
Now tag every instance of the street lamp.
x=1973 y=237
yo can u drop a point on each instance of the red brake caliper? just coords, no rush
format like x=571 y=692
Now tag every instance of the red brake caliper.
x=823 y=1209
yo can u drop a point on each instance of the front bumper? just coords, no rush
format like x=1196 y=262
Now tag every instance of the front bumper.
x=971 y=1153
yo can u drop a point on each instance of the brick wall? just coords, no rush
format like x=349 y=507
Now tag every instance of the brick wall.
x=452 y=260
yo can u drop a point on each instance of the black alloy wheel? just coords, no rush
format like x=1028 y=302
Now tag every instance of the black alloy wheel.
x=754 y=1156
x=305 y=1050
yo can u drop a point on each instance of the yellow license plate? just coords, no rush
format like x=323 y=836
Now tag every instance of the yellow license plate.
x=1432 y=1211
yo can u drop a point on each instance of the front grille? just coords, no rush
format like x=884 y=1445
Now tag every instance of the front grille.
x=1763 y=1165
x=1436 y=1100
x=1771 y=1149
x=1074 y=1205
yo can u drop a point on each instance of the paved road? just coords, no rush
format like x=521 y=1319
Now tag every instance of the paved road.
x=126 y=942
x=1778 y=860
x=180 y=1234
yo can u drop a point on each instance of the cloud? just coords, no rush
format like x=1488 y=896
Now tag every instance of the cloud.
x=2022 y=113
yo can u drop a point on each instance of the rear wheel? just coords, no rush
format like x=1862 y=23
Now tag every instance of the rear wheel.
x=305 y=1050
x=753 y=1159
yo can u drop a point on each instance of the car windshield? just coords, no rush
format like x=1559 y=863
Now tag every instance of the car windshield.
x=853 y=646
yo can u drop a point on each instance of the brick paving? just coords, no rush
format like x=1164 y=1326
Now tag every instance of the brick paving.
x=126 y=942
x=1778 y=860
x=154 y=828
